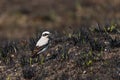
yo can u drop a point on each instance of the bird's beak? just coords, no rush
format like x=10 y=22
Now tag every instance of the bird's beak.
x=50 y=36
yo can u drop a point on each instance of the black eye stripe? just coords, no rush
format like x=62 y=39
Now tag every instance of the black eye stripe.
x=45 y=34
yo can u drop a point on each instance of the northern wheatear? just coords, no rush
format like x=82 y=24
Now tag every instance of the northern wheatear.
x=42 y=44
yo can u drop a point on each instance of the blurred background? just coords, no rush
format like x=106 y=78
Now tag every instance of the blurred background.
x=86 y=44
x=22 y=18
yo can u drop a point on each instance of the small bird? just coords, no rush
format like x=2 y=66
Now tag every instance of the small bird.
x=42 y=44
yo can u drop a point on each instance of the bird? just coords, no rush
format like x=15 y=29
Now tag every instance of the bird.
x=42 y=44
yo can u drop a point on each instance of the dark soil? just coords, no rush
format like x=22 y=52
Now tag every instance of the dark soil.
x=85 y=44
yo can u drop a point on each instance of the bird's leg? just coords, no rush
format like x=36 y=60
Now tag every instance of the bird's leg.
x=38 y=58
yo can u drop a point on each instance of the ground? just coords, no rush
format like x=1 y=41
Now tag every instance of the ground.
x=85 y=44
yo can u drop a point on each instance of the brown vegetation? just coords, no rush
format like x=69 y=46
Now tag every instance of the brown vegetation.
x=86 y=44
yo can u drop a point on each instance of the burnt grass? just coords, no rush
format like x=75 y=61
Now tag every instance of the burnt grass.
x=82 y=54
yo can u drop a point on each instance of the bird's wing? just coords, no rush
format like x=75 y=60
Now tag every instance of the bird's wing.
x=37 y=49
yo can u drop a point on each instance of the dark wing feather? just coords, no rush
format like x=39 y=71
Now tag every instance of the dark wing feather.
x=37 y=49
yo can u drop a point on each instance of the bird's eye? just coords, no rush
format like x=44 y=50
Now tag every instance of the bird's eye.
x=45 y=34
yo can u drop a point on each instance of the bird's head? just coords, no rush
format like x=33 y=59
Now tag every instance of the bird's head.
x=46 y=34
